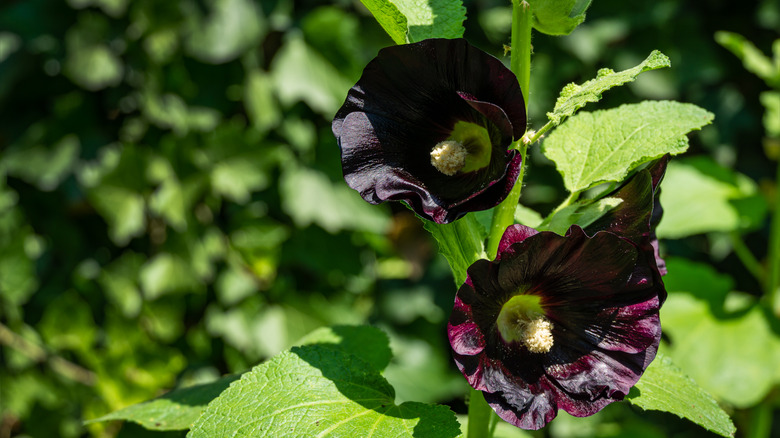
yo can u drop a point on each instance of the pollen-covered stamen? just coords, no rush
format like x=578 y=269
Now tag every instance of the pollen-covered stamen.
x=522 y=320
x=448 y=157
x=537 y=335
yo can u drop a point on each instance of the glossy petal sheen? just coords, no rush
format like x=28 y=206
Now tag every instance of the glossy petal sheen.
x=408 y=99
x=601 y=293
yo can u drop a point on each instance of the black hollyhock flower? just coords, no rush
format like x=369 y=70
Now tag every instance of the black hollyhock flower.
x=431 y=124
x=567 y=322
x=637 y=216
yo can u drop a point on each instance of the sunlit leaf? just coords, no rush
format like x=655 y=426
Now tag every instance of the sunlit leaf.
x=176 y=410
x=319 y=391
x=389 y=17
x=123 y=210
x=701 y=197
x=664 y=387
x=301 y=74
x=167 y=273
x=432 y=18
x=732 y=355
x=309 y=197
x=603 y=146
x=366 y=342
x=43 y=166
x=574 y=97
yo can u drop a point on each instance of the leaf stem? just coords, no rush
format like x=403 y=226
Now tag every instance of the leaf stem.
x=479 y=415
x=773 y=279
x=520 y=63
x=747 y=258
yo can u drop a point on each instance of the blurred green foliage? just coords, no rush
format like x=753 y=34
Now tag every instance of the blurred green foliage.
x=172 y=208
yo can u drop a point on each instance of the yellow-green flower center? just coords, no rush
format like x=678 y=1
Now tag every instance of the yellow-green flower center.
x=467 y=149
x=522 y=319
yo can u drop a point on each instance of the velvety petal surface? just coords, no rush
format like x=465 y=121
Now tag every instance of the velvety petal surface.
x=602 y=295
x=409 y=99
x=637 y=216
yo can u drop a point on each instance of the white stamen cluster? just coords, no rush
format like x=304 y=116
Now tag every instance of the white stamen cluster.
x=448 y=157
x=537 y=335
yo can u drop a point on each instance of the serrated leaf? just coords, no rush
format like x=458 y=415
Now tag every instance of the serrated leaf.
x=461 y=242
x=433 y=18
x=368 y=343
x=574 y=97
x=603 y=146
x=316 y=391
x=708 y=197
x=664 y=387
x=176 y=410
x=752 y=58
x=421 y=19
x=389 y=17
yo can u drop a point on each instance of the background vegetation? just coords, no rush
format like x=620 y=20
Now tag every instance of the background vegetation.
x=172 y=208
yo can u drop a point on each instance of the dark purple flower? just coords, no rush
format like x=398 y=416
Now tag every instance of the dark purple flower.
x=431 y=124
x=637 y=216
x=567 y=322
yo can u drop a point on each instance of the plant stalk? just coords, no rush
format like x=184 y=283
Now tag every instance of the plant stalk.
x=773 y=277
x=520 y=63
x=480 y=413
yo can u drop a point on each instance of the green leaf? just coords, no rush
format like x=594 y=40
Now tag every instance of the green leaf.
x=603 y=146
x=301 y=74
x=422 y=19
x=433 y=18
x=94 y=67
x=461 y=242
x=664 y=387
x=574 y=97
x=731 y=354
x=752 y=58
x=122 y=209
x=707 y=197
x=309 y=197
x=176 y=410
x=368 y=343
x=43 y=166
x=231 y=28
x=261 y=106
x=771 y=102
x=558 y=17
x=389 y=17
x=582 y=213
x=319 y=391
x=167 y=273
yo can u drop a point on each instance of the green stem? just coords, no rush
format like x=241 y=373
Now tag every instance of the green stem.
x=773 y=279
x=747 y=258
x=520 y=63
x=479 y=415
x=760 y=421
